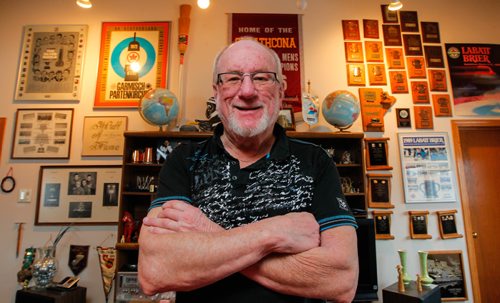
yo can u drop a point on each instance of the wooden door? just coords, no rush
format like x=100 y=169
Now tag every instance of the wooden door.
x=477 y=146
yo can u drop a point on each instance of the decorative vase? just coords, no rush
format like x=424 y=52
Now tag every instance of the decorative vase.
x=424 y=274
x=402 y=257
x=44 y=266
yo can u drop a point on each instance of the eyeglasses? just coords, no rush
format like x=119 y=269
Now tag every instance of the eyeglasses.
x=235 y=79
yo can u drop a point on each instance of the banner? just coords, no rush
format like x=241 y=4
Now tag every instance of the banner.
x=283 y=34
x=475 y=78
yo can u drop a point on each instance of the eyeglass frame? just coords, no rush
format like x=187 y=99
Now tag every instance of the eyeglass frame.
x=242 y=75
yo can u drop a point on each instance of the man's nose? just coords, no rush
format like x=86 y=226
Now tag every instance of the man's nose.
x=247 y=87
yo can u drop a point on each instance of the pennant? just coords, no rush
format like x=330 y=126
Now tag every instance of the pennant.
x=107 y=261
x=78 y=257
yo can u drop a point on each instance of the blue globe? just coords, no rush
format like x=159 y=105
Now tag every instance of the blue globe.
x=159 y=107
x=340 y=109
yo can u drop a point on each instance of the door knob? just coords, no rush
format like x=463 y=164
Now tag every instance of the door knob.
x=474 y=235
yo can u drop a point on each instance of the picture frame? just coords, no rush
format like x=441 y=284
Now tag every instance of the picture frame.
x=442 y=105
x=420 y=92
x=447 y=224
x=412 y=45
x=389 y=16
x=51 y=63
x=350 y=29
x=377 y=154
x=437 y=80
x=376 y=74
x=423 y=117
x=374 y=51
x=353 y=51
x=409 y=21
x=403 y=117
x=145 y=45
x=399 y=81
x=427 y=167
x=395 y=58
x=419 y=224
x=356 y=74
x=448 y=263
x=430 y=32
x=103 y=135
x=78 y=195
x=379 y=190
x=286 y=119
x=392 y=34
x=42 y=133
x=382 y=221
x=370 y=28
x=416 y=67
x=434 y=56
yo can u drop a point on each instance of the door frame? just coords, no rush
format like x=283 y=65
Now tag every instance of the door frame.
x=456 y=127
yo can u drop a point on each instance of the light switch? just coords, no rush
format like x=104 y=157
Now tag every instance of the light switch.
x=24 y=195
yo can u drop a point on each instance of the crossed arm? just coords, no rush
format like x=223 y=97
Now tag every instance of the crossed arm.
x=181 y=249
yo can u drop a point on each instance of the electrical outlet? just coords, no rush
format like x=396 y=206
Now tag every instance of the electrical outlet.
x=24 y=195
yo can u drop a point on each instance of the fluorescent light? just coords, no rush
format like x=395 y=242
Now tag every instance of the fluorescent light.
x=395 y=5
x=203 y=4
x=84 y=3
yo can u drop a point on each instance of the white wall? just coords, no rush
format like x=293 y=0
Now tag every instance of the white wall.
x=460 y=21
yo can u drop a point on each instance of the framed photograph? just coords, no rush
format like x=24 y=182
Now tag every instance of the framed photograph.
x=448 y=224
x=374 y=51
x=379 y=191
x=51 y=63
x=423 y=117
x=42 y=133
x=286 y=119
x=395 y=58
x=434 y=56
x=133 y=59
x=392 y=34
x=409 y=21
x=442 y=105
x=437 y=80
x=430 y=32
x=416 y=67
x=389 y=16
x=370 y=28
x=81 y=195
x=447 y=269
x=103 y=135
x=418 y=224
x=356 y=74
x=354 y=52
x=412 y=45
x=382 y=221
x=420 y=92
x=403 y=117
x=427 y=165
x=376 y=74
x=376 y=151
x=350 y=29
x=399 y=82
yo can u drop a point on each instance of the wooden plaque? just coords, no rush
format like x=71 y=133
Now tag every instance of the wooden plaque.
x=395 y=58
x=418 y=224
x=382 y=221
x=412 y=45
x=354 y=52
x=403 y=117
x=374 y=51
x=392 y=34
x=350 y=29
x=376 y=74
x=370 y=28
x=420 y=92
x=379 y=191
x=399 y=82
x=430 y=32
x=434 y=56
x=416 y=67
x=447 y=224
x=423 y=117
x=356 y=74
x=437 y=80
x=409 y=21
x=442 y=105
x=389 y=16
x=377 y=154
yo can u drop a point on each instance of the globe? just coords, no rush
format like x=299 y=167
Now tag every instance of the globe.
x=340 y=109
x=159 y=107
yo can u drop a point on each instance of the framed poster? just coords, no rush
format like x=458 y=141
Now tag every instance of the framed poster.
x=423 y=117
x=354 y=52
x=356 y=74
x=42 y=133
x=392 y=34
x=370 y=28
x=376 y=151
x=80 y=195
x=285 y=119
x=382 y=221
x=448 y=224
x=412 y=45
x=420 y=92
x=350 y=28
x=399 y=82
x=416 y=67
x=427 y=165
x=409 y=21
x=395 y=58
x=374 y=51
x=133 y=59
x=437 y=80
x=376 y=74
x=51 y=63
x=418 y=224
x=447 y=269
x=442 y=105
x=430 y=32
x=379 y=191
x=389 y=16
x=434 y=56
x=103 y=135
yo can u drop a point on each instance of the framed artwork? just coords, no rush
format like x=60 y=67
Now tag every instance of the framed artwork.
x=103 y=135
x=418 y=224
x=409 y=21
x=430 y=32
x=434 y=56
x=285 y=119
x=412 y=45
x=354 y=52
x=382 y=221
x=395 y=58
x=423 y=117
x=356 y=74
x=377 y=151
x=379 y=191
x=399 y=82
x=392 y=34
x=374 y=51
x=447 y=269
x=51 y=63
x=437 y=80
x=42 y=133
x=370 y=28
x=442 y=105
x=416 y=67
x=427 y=167
x=133 y=59
x=448 y=224
x=389 y=16
x=3 y=121
x=403 y=117
x=376 y=74
x=80 y=195
x=350 y=29
x=420 y=92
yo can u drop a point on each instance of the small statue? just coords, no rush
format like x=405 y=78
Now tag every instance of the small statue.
x=346 y=158
x=212 y=116
x=401 y=284
x=128 y=226
x=419 y=283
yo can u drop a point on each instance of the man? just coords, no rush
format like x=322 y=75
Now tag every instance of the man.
x=249 y=215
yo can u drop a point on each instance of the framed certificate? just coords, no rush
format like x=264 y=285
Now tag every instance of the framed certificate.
x=418 y=224
x=51 y=63
x=350 y=29
x=356 y=74
x=370 y=28
x=379 y=191
x=382 y=221
x=354 y=52
x=399 y=82
x=395 y=58
x=376 y=151
x=442 y=105
x=420 y=92
x=437 y=80
x=447 y=224
x=430 y=32
x=409 y=21
x=423 y=117
x=392 y=34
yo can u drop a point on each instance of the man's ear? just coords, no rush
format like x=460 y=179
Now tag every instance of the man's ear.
x=214 y=89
